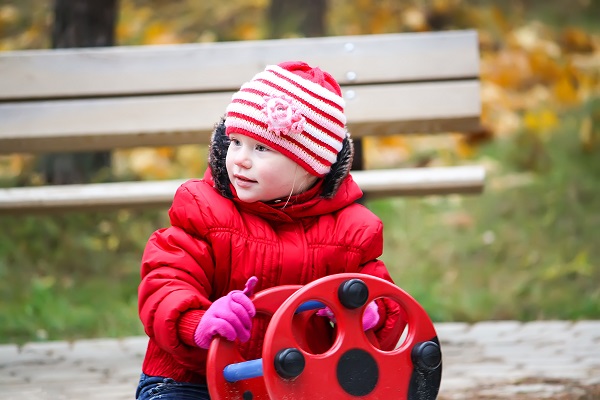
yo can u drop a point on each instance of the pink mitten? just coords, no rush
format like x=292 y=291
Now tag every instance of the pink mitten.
x=370 y=316
x=229 y=316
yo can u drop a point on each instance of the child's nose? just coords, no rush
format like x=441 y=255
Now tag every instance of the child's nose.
x=243 y=158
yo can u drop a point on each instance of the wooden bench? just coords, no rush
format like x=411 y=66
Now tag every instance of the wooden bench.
x=118 y=97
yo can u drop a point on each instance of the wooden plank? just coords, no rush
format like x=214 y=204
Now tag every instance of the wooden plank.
x=98 y=124
x=224 y=66
x=375 y=183
x=421 y=181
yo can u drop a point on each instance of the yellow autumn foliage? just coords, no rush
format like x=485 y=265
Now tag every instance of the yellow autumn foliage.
x=160 y=33
x=540 y=122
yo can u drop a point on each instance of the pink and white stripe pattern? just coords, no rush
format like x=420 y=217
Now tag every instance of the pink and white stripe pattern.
x=317 y=146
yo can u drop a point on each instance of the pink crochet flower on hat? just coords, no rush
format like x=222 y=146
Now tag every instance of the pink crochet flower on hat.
x=283 y=117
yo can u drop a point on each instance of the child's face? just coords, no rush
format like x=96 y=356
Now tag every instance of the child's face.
x=260 y=173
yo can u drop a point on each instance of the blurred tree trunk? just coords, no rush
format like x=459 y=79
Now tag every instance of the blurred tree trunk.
x=80 y=23
x=293 y=17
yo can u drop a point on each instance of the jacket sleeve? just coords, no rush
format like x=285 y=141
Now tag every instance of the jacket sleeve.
x=392 y=317
x=176 y=275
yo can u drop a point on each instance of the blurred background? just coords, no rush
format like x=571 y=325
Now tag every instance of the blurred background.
x=527 y=248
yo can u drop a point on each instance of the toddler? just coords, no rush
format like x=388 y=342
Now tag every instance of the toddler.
x=277 y=206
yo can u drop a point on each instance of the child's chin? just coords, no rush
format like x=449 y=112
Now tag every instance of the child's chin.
x=247 y=197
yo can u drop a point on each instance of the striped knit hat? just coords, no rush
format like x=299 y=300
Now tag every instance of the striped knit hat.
x=294 y=109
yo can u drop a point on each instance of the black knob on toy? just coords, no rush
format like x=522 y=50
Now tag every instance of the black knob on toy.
x=289 y=363
x=426 y=356
x=353 y=293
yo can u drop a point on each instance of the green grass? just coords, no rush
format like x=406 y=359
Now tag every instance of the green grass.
x=518 y=251
x=73 y=275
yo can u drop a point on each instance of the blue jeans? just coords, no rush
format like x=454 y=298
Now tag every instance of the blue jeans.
x=158 y=387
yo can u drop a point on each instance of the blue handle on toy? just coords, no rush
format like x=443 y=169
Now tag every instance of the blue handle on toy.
x=254 y=368
x=310 y=305
x=244 y=370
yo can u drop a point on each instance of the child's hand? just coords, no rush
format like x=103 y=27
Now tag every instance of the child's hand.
x=370 y=316
x=229 y=317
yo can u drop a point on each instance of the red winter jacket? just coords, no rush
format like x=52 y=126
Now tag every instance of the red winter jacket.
x=215 y=244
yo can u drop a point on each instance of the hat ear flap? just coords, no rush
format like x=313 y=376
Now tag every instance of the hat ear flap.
x=217 y=155
x=339 y=170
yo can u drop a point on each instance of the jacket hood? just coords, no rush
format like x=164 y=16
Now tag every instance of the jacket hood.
x=337 y=189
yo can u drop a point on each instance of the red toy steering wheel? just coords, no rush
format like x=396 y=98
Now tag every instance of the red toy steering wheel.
x=351 y=368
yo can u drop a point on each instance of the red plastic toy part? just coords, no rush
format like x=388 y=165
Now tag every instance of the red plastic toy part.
x=352 y=367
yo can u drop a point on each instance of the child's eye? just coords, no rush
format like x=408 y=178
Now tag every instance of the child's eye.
x=260 y=147
x=234 y=141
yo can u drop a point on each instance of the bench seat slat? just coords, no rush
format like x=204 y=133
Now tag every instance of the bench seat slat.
x=98 y=124
x=376 y=183
x=224 y=66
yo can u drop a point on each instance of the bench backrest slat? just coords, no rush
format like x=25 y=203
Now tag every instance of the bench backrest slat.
x=103 y=98
x=97 y=124
x=135 y=70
